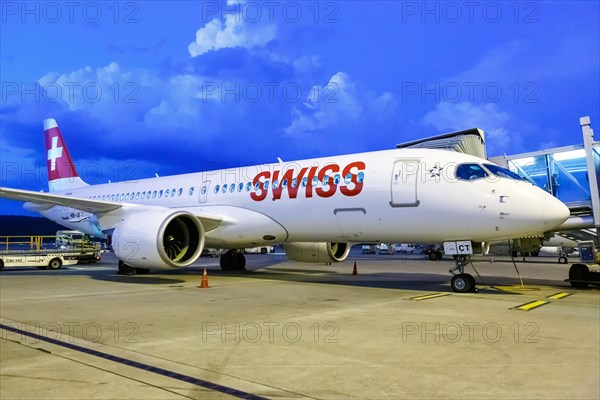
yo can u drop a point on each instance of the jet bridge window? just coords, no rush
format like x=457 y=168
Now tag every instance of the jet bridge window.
x=469 y=172
x=502 y=172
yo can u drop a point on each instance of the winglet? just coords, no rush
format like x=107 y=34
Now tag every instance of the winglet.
x=62 y=174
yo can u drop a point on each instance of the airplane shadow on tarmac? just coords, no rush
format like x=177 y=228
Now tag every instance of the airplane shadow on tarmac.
x=268 y=269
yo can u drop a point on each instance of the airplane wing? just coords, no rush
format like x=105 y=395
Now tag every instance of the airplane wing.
x=41 y=198
x=209 y=222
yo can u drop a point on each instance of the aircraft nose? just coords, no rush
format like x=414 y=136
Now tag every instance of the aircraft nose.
x=555 y=212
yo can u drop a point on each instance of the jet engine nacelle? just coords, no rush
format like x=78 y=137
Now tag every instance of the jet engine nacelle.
x=317 y=252
x=158 y=238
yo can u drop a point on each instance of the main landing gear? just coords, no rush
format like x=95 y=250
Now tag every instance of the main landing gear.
x=233 y=260
x=462 y=282
x=125 y=269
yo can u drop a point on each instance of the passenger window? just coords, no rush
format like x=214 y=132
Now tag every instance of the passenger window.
x=167 y=193
x=284 y=183
x=257 y=186
x=248 y=186
x=217 y=187
x=154 y=194
x=348 y=179
x=127 y=197
x=232 y=188
x=469 y=172
x=172 y=192
x=180 y=192
x=315 y=181
x=266 y=185
x=336 y=179
x=361 y=177
x=160 y=193
x=225 y=188
x=294 y=182
x=240 y=187
x=143 y=195
x=304 y=181
x=275 y=184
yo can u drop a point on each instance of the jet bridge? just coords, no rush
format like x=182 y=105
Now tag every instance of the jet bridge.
x=570 y=173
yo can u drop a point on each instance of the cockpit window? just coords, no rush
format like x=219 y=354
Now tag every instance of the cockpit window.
x=469 y=172
x=502 y=172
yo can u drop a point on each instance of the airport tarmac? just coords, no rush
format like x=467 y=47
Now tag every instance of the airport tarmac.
x=291 y=331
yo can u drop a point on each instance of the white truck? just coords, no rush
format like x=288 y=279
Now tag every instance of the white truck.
x=35 y=251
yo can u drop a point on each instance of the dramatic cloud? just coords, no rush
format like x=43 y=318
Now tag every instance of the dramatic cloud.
x=341 y=103
x=235 y=31
x=448 y=117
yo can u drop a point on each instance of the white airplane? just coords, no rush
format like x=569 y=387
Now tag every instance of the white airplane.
x=316 y=208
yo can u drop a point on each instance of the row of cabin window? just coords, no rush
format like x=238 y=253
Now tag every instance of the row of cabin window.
x=227 y=188
x=143 y=195
x=315 y=181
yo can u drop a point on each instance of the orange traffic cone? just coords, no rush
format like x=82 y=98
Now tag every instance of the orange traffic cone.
x=354 y=271
x=204 y=282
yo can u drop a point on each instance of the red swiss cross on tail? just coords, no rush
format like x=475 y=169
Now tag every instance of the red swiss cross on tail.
x=61 y=170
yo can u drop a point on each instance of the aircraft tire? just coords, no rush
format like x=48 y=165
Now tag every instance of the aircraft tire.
x=226 y=261
x=432 y=255
x=239 y=262
x=562 y=260
x=125 y=269
x=55 y=263
x=578 y=272
x=462 y=283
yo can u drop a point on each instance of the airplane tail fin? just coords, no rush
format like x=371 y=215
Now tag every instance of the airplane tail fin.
x=62 y=174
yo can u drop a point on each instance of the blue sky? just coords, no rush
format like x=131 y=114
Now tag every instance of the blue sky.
x=174 y=87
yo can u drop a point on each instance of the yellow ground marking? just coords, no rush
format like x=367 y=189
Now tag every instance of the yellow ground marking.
x=429 y=296
x=559 y=296
x=531 y=305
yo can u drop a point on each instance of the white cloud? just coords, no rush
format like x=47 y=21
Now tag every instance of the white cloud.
x=448 y=117
x=341 y=102
x=235 y=31
x=100 y=91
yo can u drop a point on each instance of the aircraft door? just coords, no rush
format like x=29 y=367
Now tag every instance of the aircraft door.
x=203 y=195
x=405 y=175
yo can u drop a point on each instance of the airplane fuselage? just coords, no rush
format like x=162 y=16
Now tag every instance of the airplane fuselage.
x=400 y=195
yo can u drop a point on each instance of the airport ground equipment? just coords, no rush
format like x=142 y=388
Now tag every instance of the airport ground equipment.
x=580 y=275
x=41 y=252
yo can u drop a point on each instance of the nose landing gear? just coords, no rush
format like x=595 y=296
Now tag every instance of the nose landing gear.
x=461 y=282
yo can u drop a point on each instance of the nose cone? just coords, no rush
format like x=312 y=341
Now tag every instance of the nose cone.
x=555 y=212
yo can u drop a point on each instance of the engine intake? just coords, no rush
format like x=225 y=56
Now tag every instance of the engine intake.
x=317 y=252
x=159 y=239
